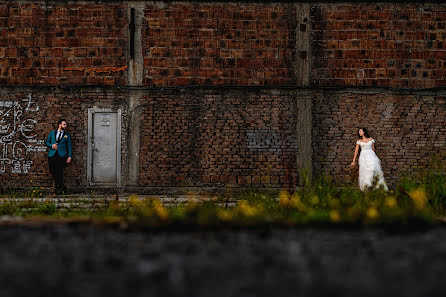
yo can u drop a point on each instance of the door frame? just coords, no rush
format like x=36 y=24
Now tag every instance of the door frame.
x=91 y=112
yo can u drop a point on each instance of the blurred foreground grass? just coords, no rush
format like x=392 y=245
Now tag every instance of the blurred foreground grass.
x=420 y=198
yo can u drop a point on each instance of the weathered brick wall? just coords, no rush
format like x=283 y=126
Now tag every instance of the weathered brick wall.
x=407 y=128
x=27 y=115
x=219 y=44
x=386 y=44
x=62 y=43
x=225 y=138
x=245 y=133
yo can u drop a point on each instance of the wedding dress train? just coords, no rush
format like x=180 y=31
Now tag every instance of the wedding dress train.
x=370 y=170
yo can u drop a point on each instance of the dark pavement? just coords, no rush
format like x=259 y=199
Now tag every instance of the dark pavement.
x=79 y=260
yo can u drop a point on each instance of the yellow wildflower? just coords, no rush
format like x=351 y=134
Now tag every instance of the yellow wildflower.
x=161 y=211
x=372 y=213
x=390 y=202
x=315 y=200
x=419 y=198
x=134 y=201
x=246 y=209
x=284 y=199
x=335 y=216
x=296 y=202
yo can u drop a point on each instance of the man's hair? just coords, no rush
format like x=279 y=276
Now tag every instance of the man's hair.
x=60 y=121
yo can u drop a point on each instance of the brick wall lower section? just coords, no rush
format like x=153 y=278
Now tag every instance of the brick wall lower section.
x=64 y=43
x=220 y=137
x=407 y=130
x=219 y=44
x=229 y=138
x=26 y=117
x=391 y=45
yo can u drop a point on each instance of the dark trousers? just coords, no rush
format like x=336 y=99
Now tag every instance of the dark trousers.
x=57 y=164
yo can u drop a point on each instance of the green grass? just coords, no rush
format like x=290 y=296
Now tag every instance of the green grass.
x=420 y=198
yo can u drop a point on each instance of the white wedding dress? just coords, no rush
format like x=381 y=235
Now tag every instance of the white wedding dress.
x=369 y=167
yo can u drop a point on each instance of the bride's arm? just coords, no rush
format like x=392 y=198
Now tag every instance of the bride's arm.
x=354 y=157
x=373 y=146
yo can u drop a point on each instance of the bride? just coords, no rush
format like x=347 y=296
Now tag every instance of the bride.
x=370 y=171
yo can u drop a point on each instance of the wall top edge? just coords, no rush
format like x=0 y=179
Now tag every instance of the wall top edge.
x=441 y=91
x=231 y=1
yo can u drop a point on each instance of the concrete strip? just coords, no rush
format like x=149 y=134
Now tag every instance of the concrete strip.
x=304 y=131
x=135 y=78
x=136 y=65
x=302 y=61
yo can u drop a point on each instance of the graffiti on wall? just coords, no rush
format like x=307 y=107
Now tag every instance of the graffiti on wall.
x=18 y=138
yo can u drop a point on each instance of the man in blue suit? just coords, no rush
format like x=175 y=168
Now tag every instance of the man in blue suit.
x=59 y=154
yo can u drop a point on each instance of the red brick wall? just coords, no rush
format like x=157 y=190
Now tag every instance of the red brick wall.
x=223 y=136
x=26 y=118
x=219 y=44
x=407 y=128
x=394 y=45
x=235 y=138
x=231 y=139
x=390 y=45
x=55 y=44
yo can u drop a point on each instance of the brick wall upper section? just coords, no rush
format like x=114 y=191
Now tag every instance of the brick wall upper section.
x=407 y=130
x=219 y=44
x=195 y=43
x=391 y=45
x=62 y=43
x=232 y=139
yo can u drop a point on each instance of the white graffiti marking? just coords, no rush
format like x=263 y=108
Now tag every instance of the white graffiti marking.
x=19 y=150
x=17 y=136
x=27 y=128
x=30 y=102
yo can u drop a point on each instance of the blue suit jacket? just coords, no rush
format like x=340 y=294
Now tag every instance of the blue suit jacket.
x=63 y=148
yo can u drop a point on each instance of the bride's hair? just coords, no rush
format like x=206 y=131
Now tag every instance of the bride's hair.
x=366 y=133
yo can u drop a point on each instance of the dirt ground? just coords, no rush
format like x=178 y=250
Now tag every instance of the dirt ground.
x=79 y=260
